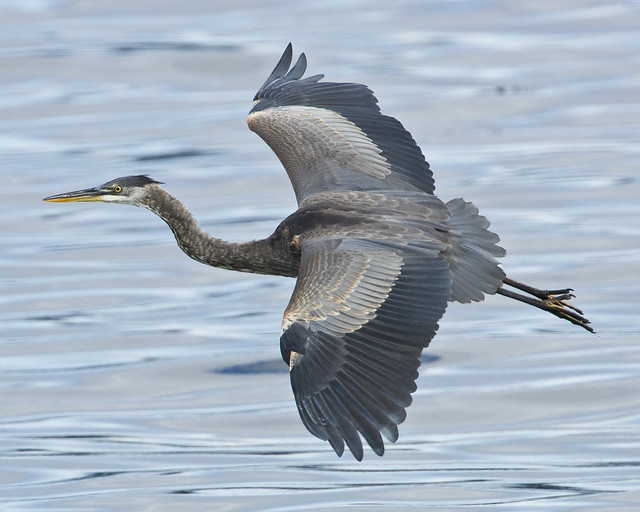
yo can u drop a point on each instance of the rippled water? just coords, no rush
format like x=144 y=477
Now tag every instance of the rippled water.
x=132 y=378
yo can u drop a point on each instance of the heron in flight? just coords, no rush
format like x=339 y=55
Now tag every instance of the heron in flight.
x=376 y=254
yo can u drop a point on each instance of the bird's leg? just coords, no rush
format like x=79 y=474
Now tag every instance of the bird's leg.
x=555 y=302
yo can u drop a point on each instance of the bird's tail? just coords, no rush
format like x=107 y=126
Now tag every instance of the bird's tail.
x=474 y=270
x=472 y=253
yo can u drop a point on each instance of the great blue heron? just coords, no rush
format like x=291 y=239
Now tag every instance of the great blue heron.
x=377 y=255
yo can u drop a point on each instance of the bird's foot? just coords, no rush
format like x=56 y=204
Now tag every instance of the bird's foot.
x=555 y=302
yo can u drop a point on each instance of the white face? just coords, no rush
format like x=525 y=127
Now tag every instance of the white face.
x=129 y=195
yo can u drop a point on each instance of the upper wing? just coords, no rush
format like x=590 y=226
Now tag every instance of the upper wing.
x=332 y=136
x=354 y=330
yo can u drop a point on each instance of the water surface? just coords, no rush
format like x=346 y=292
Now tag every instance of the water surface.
x=132 y=378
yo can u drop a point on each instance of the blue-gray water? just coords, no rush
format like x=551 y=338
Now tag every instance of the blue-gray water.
x=132 y=378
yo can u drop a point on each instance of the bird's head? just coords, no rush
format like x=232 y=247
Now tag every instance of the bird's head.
x=127 y=190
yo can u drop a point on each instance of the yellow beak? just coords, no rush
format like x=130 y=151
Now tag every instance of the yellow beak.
x=88 y=194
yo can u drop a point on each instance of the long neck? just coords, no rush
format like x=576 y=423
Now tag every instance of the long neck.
x=265 y=256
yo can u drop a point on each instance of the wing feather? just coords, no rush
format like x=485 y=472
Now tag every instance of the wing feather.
x=332 y=136
x=356 y=344
x=279 y=71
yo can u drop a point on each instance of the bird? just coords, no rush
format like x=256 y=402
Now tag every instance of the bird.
x=376 y=254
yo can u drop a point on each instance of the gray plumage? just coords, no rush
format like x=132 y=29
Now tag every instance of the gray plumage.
x=376 y=254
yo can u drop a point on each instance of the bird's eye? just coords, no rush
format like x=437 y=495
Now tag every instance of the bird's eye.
x=117 y=189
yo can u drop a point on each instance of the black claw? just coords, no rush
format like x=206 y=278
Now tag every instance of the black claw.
x=553 y=301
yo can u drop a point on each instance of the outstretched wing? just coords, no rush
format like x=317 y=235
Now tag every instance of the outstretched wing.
x=332 y=136
x=354 y=330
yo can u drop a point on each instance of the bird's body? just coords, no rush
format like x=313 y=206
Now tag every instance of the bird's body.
x=376 y=254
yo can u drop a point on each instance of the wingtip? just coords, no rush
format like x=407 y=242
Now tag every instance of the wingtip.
x=288 y=53
x=337 y=444
x=281 y=69
x=284 y=72
x=297 y=70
